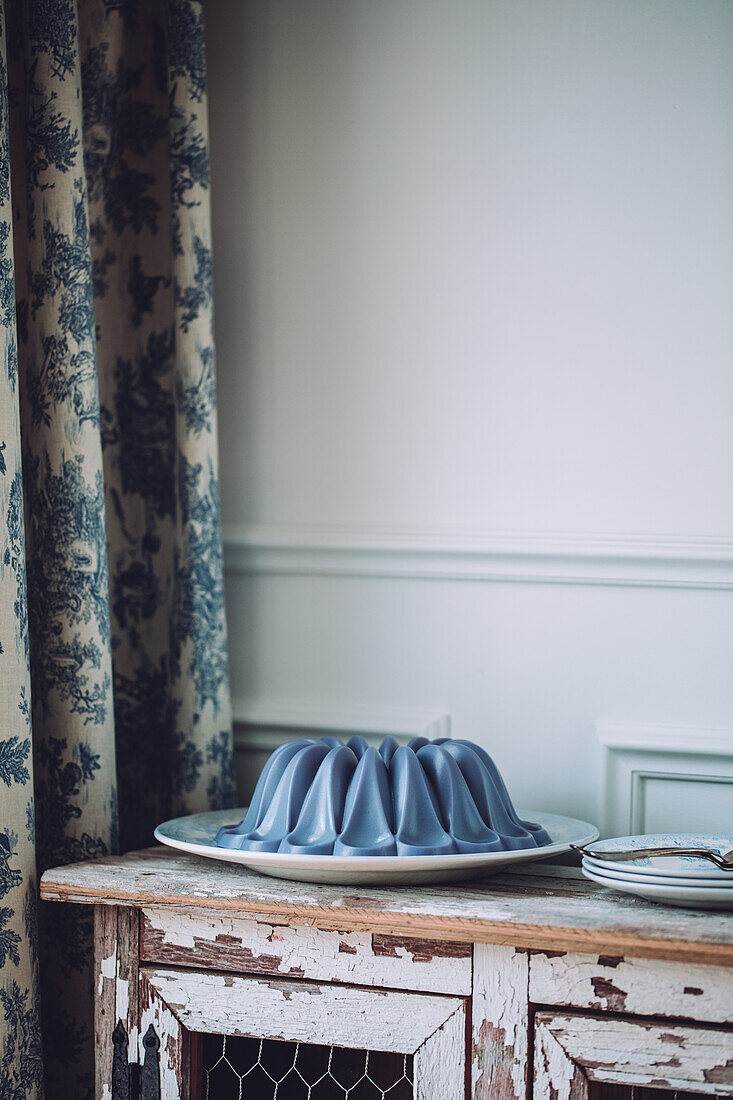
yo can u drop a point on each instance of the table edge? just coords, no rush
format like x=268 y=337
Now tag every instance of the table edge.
x=528 y=936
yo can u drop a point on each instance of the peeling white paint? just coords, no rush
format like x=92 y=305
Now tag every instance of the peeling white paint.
x=304 y=1011
x=637 y=986
x=122 y=998
x=500 y=1023
x=629 y=1052
x=439 y=1066
x=169 y=1031
x=107 y=969
x=302 y=952
x=553 y=1070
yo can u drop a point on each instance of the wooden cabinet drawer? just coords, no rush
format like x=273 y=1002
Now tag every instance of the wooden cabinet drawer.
x=574 y=1052
x=220 y=941
x=635 y=987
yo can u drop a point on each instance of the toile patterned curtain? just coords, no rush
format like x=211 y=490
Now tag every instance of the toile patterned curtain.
x=114 y=706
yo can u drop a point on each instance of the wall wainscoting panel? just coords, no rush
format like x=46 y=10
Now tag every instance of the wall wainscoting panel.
x=532 y=557
x=263 y=725
x=659 y=778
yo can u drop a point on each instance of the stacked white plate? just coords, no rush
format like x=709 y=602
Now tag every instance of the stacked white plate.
x=671 y=880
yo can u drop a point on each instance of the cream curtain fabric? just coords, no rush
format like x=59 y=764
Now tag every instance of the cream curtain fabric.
x=113 y=675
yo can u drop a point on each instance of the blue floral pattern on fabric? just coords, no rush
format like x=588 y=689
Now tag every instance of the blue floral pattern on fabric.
x=113 y=667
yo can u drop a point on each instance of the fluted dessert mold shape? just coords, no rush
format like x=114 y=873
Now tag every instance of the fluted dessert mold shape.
x=320 y=796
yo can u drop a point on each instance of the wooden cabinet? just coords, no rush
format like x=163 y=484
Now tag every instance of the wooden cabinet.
x=215 y=983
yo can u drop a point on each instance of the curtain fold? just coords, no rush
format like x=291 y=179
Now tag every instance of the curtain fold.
x=113 y=670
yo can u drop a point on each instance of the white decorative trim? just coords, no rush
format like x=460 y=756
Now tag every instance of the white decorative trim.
x=640 y=780
x=261 y=725
x=655 y=737
x=531 y=557
x=635 y=752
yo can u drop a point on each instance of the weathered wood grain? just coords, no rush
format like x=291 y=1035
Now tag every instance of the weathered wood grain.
x=500 y=1023
x=105 y=974
x=116 y=987
x=639 y=986
x=556 y=1073
x=439 y=1065
x=559 y=912
x=308 y=1012
x=179 y=1053
x=573 y=1050
x=189 y=938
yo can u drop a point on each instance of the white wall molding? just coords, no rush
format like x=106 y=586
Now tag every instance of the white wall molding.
x=261 y=725
x=658 y=777
x=532 y=557
x=651 y=737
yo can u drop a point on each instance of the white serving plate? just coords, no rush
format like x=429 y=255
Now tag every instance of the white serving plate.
x=687 y=897
x=684 y=867
x=196 y=834
x=612 y=870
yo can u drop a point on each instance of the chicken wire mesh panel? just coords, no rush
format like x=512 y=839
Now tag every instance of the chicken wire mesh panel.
x=236 y=1068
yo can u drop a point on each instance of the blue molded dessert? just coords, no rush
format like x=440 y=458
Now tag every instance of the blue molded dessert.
x=324 y=797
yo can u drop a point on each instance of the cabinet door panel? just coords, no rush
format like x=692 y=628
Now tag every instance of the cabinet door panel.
x=574 y=1053
x=184 y=1005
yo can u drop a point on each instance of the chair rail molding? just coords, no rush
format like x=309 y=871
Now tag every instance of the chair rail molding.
x=657 y=561
x=657 y=778
x=262 y=725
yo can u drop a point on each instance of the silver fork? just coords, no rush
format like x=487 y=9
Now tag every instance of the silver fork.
x=722 y=860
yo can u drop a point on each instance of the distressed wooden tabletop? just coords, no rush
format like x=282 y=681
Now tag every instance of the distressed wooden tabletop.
x=545 y=907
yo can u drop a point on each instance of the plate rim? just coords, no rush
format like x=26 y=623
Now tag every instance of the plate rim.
x=653 y=889
x=697 y=872
x=397 y=864
x=693 y=884
x=695 y=868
